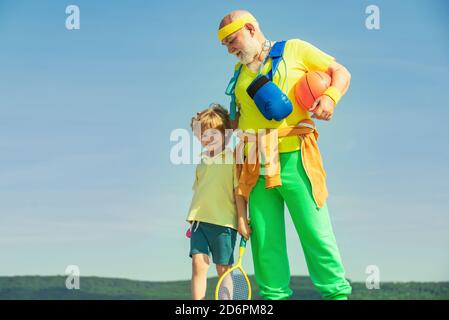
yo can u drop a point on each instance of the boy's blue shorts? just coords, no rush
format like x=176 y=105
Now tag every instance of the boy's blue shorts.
x=213 y=239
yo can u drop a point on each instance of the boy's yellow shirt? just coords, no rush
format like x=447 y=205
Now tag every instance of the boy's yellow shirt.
x=300 y=57
x=213 y=199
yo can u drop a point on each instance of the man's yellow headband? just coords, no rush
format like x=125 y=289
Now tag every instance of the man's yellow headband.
x=235 y=25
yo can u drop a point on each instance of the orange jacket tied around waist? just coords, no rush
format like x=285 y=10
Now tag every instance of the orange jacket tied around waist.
x=249 y=168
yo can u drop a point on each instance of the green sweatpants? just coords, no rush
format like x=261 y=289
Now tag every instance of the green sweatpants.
x=268 y=242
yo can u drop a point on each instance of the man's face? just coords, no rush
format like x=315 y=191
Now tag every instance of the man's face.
x=242 y=45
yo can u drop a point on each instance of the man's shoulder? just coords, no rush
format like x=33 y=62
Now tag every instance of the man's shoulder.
x=300 y=48
x=296 y=43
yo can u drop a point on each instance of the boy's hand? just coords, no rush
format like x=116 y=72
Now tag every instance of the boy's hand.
x=243 y=228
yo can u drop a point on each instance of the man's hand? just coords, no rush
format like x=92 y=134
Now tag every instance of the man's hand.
x=243 y=228
x=323 y=108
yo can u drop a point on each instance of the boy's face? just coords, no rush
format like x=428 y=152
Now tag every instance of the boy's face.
x=212 y=139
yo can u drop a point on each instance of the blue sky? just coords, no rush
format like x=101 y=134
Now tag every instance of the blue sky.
x=86 y=115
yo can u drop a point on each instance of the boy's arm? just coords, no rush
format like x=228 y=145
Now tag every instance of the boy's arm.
x=241 y=206
x=242 y=216
x=240 y=201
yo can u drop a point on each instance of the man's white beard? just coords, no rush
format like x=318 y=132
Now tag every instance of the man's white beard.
x=246 y=58
x=248 y=55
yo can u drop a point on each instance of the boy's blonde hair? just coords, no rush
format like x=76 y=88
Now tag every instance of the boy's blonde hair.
x=214 y=117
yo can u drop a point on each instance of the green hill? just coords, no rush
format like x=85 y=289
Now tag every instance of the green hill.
x=39 y=287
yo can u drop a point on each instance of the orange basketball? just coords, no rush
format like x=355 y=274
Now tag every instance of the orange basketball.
x=310 y=87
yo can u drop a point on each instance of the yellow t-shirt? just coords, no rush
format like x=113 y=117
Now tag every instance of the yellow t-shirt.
x=300 y=57
x=213 y=199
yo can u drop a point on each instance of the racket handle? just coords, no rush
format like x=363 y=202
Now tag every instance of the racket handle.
x=242 y=242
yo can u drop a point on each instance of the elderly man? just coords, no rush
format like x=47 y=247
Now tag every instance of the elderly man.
x=299 y=169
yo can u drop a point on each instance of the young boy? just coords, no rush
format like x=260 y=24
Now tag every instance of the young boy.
x=216 y=212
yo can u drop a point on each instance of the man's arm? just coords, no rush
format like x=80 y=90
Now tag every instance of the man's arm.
x=323 y=107
x=340 y=76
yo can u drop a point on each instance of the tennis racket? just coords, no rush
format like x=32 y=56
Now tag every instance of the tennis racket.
x=234 y=283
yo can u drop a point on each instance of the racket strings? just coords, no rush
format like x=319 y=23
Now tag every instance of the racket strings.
x=234 y=287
